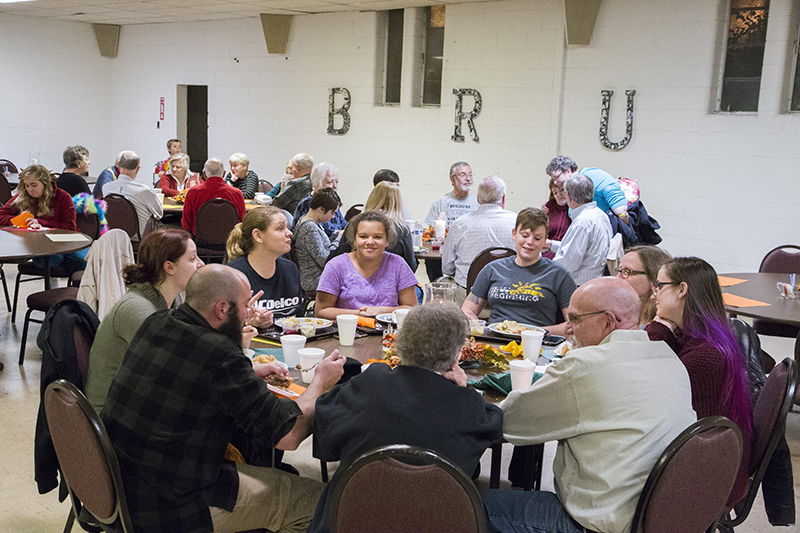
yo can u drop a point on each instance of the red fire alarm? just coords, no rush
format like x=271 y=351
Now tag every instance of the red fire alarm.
x=161 y=114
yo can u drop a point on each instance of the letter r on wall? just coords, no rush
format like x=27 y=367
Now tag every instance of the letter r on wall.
x=470 y=116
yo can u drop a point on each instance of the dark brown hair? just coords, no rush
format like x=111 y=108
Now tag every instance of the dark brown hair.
x=531 y=218
x=157 y=248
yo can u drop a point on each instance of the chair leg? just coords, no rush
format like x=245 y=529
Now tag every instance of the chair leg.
x=323 y=470
x=70 y=520
x=16 y=299
x=5 y=288
x=24 y=336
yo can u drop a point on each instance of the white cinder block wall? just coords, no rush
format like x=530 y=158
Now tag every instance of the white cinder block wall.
x=723 y=186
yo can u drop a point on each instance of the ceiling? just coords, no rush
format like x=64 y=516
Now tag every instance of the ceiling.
x=124 y=12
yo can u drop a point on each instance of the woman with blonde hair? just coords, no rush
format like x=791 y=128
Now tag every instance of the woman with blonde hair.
x=255 y=247
x=241 y=176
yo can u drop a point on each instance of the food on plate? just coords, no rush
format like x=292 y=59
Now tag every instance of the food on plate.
x=391 y=360
x=278 y=381
x=511 y=326
x=478 y=351
x=562 y=348
x=366 y=322
x=264 y=359
x=388 y=344
x=180 y=197
x=290 y=325
x=496 y=357
x=472 y=350
x=513 y=348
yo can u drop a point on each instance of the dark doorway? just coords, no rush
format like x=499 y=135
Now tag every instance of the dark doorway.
x=197 y=125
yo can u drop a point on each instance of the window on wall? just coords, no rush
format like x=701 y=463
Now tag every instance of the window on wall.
x=744 y=55
x=394 y=57
x=434 y=56
x=795 y=104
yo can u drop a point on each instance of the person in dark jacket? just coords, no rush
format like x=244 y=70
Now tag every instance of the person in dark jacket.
x=76 y=165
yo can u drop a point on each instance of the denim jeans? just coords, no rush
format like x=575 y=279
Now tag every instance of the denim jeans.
x=528 y=512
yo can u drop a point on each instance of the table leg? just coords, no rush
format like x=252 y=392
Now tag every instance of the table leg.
x=47 y=272
x=497 y=456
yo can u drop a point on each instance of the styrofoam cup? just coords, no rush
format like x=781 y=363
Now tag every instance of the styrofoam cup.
x=401 y=315
x=308 y=358
x=290 y=344
x=531 y=343
x=521 y=374
x=347 y=329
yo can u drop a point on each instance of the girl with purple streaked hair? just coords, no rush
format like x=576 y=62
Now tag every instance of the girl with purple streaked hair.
x=691 y=318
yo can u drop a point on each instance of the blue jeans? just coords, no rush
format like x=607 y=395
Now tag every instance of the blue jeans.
x=528 y=512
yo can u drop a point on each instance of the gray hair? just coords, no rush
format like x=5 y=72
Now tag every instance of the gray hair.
x=320 y=172
x=240 y=158
x=580 y=189
x=561 y=164
x=119 y=156
x=129 y=160
x=74 y=155
x=491 y=190
x=432 y=336
x=304 y=162
x=455 y=166
x=180 y=156
x=214 y=167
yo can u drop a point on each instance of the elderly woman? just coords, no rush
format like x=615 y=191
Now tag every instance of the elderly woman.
x=639 y=267
x=178 y=178
x=76 y=165
x=369 y=280
x=241 y=176
x=424 y=402
x=557 y=212
x=527 y=288
x=323 y=175
x=311 y=245
x=691 y=318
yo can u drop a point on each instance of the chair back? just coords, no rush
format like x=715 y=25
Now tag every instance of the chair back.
x=85 y=455
x=215 y=221
x=88 y=224
x=689 y=485
x=484 y=258
x=5 y=189
x=264 y=186
x=784 y=259
x=411 y=488
x=353 y=211
x=121 y=214
x=8 y=166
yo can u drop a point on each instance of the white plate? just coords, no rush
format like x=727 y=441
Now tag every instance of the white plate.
x=420 y=249
x=493 y=327
x=386 y=318
x=249 y=353
x=283 y=392
x=320 y=322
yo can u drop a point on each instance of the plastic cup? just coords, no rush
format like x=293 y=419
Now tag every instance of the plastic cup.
x=156 y=190
x=521 y=374
x=401 y=315
x=476 y=327
x=308 y=358
x=347 y=329
x=290 y=344
x=532 y=343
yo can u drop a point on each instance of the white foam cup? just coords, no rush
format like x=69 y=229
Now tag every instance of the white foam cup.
x=290 y=344
x=521 y=374
x=401 y=315
x=308 y=358
x=531 y=343
x=347 y=329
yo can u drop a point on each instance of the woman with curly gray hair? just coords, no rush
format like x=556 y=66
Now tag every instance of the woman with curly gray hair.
x=76 y=165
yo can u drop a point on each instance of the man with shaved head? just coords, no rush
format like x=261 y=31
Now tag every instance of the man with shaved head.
x=214 y=186
x=613 y=403
x=183 y=388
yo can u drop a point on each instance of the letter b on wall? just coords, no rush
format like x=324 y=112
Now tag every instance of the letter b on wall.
x=344 y=110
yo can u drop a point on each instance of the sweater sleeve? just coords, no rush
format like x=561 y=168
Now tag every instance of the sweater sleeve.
x=9 y=211
x=165 y=183
x=250 y=185
x=314 y=244
x=62 y=212
x=657 y=331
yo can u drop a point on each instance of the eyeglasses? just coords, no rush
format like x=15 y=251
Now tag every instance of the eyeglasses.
x=575 y=320
x=627 y=272
x=658 y=285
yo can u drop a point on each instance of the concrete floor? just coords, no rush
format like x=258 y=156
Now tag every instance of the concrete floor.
x=23 y=510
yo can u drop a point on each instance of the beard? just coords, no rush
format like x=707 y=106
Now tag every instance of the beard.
x=572 y=339
x=232 y=327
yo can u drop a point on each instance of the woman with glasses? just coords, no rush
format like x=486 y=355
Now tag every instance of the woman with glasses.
x=557 y=212
x=691 y=318
x=639 y=267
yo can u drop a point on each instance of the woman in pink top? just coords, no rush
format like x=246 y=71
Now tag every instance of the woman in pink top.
x=369 y=280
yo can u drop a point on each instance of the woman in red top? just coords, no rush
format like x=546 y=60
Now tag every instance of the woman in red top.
x=557 y=212
x=178 y=178
x=691 y=318
x=50 y=206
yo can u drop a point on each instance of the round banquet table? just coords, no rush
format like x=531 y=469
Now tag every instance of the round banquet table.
x=171 y=206
x=20 y=244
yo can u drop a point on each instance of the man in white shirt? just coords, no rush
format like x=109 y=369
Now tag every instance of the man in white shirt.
x=142 y=196
x=457 y=202
x=613 y=404
x=584 y=248
x=489 y=225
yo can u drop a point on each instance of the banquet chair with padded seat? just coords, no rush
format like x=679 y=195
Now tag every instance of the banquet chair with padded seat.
x=488 y=255
x=690 y=483
x=769 y=420
x=5 y=188
x=353 y=211
x=264 y=186
x=86 y=457
x=215 y=220
x=8 y=166
x=43 y=301
x=121 y=214
x=784 y=259
x=412 y=488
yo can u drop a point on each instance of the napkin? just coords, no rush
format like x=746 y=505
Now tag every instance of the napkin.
x=501 y=382
x=725 y=281
x=739 y=301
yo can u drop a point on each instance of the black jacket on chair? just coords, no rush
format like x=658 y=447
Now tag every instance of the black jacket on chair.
x=59 y=361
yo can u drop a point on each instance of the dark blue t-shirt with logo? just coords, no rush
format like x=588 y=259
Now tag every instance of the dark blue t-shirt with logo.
x=282 y=292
